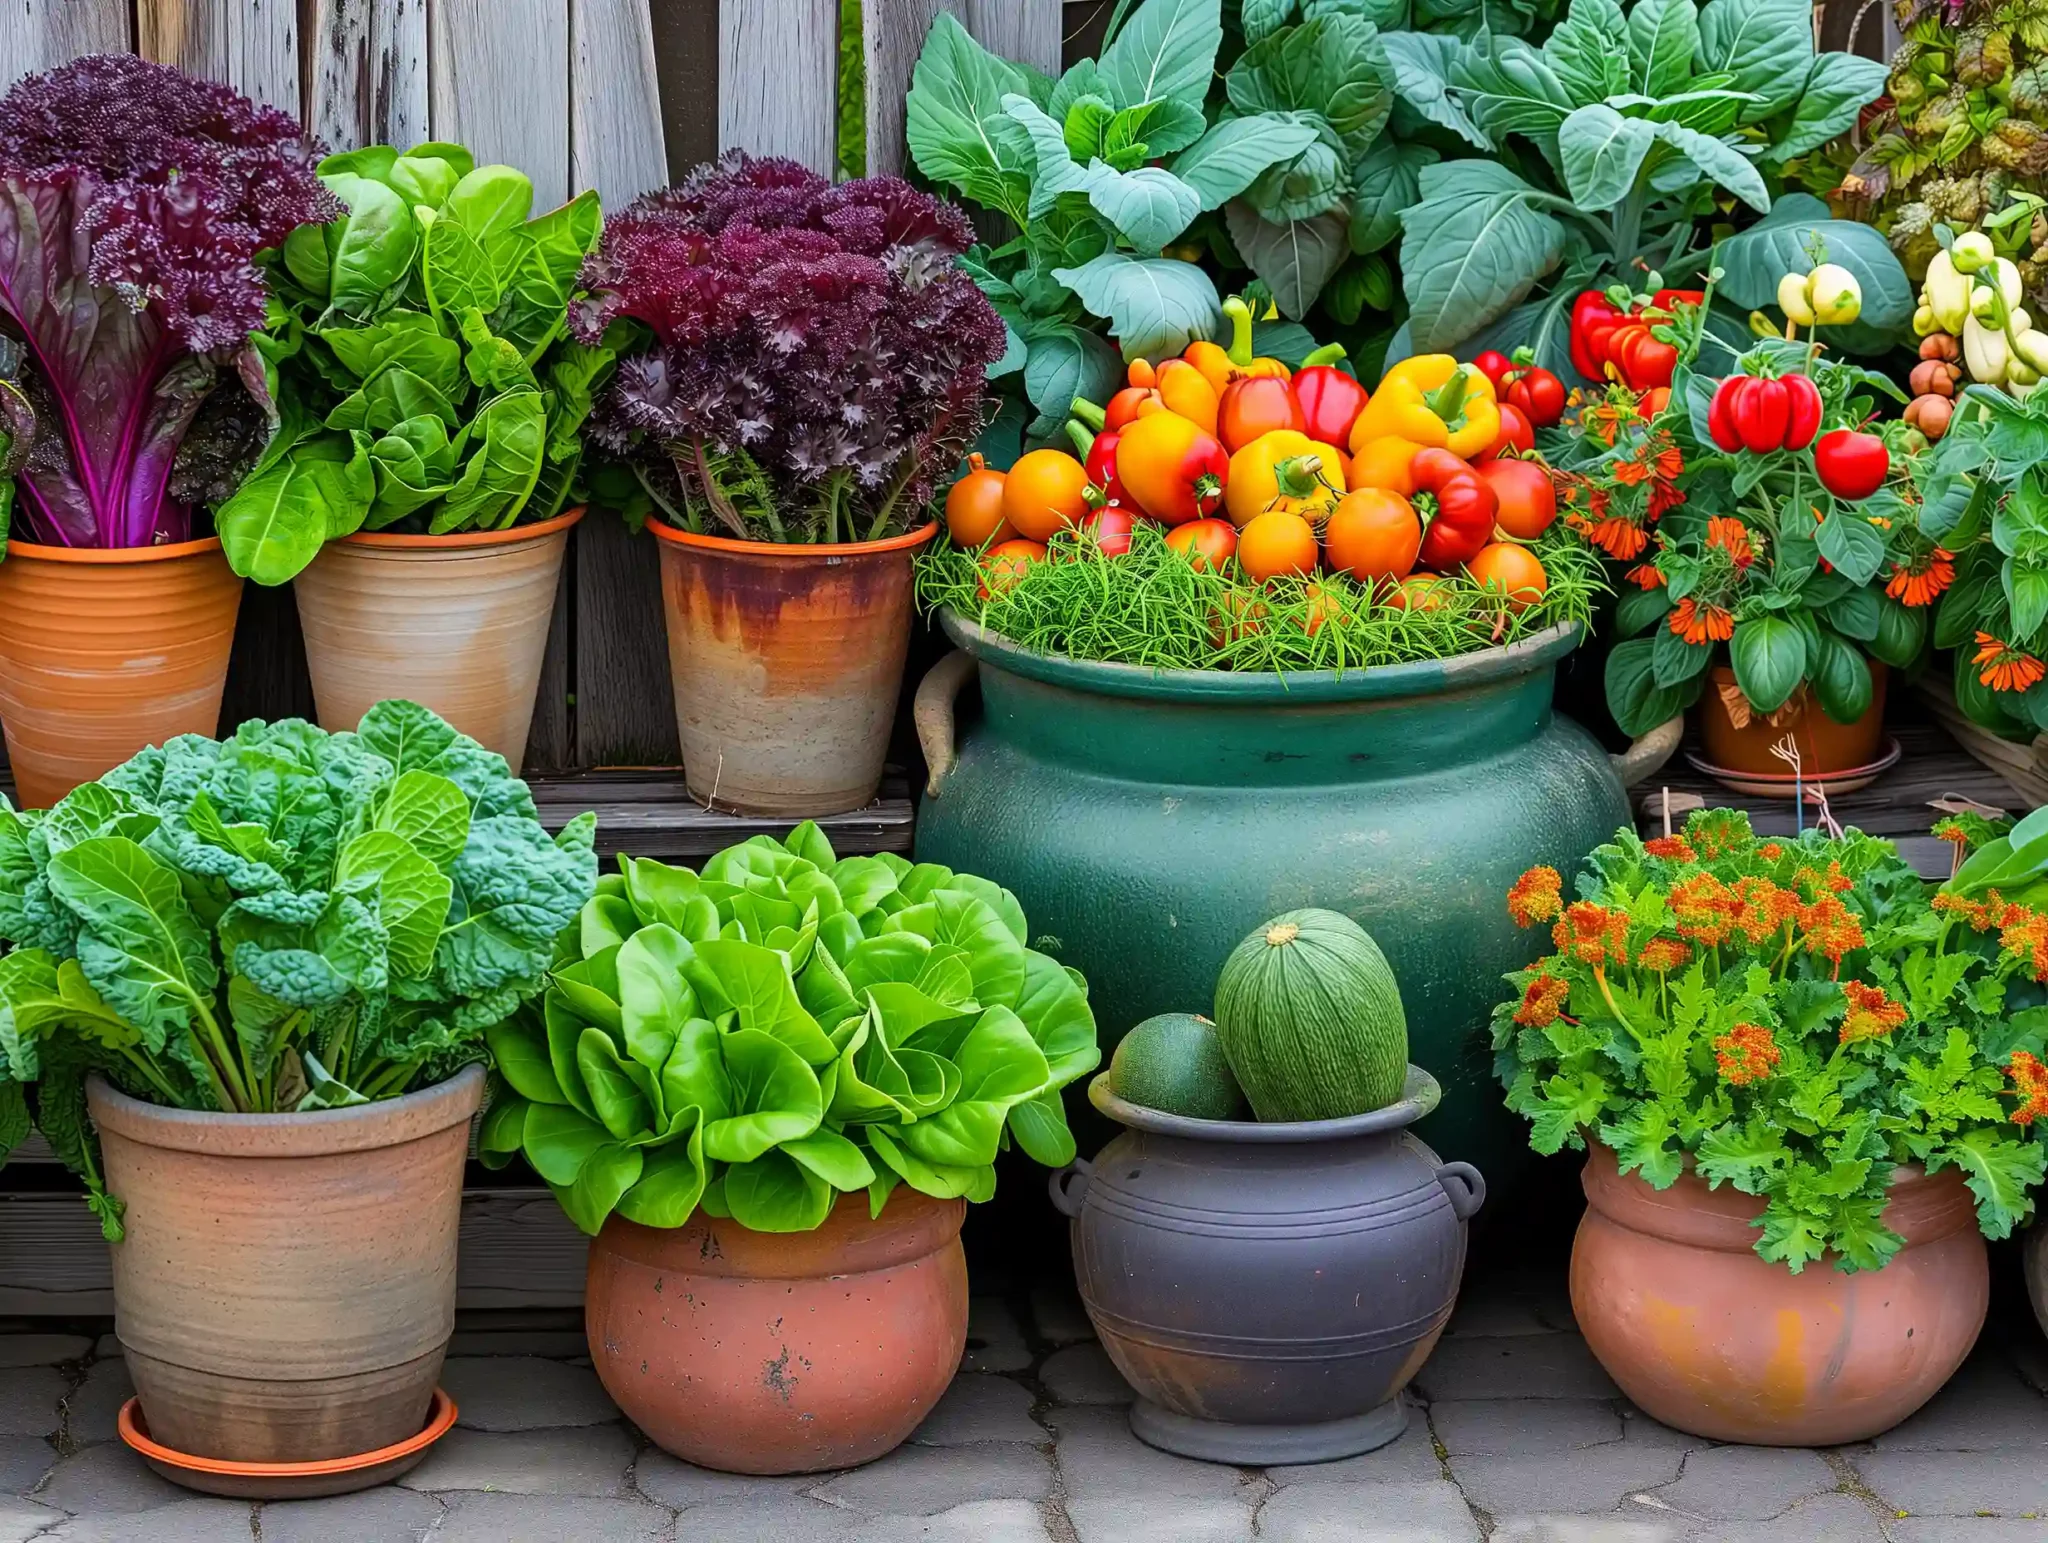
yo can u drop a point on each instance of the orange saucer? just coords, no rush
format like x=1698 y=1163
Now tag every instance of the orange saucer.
x=286 y=1481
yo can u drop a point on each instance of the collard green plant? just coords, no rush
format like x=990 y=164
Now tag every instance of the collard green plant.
x=782 y=1028
x=418 y=356
x=284 y=920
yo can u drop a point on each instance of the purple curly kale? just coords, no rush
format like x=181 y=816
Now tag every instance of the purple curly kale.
x=133 y=201
x=818 y=357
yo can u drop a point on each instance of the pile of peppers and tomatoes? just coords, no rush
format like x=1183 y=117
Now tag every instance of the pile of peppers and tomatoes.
x=1610 y=341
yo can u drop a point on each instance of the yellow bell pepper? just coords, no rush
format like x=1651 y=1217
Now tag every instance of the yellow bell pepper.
x=1432 y=372
x=1457 y=414
x=1284 y=469
x=1186 y=390
x=1223 y=365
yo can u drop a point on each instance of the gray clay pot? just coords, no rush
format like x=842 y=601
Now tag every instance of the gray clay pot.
x=1269 y=1290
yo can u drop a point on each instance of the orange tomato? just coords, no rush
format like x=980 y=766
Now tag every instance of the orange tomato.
x=1323 y=606
x=1046 y=491
x=1003 y=567
x=1236 y=616
x=1506 y=569
x=1274 y=543
x=1423 y=592
x=1528 y=501
x=1373 y=534
x=1383 y=463
x=1205 y=543
x=974 y=507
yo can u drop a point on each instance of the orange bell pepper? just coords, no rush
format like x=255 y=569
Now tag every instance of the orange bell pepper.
x=1434 y=401
x=1222 y=365
x=1384 y=464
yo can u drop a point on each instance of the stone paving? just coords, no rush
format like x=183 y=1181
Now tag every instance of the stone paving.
x=1518 y=1437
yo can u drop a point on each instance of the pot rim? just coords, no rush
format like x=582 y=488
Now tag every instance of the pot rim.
x=320 y=1132
x=1421 y=677
x=794 y=549
x=466 y=538
x=35 y=551
x=1419 y=1095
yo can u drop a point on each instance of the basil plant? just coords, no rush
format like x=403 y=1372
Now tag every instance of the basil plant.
x=782 y=1028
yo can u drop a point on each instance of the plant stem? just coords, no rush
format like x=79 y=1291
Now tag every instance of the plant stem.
x=154 y=1077
x=228 y=1063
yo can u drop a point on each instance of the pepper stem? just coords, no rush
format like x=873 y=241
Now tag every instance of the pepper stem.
x=1298 y=476
x=1448 y=400
x=1084 y=442
x=1240 y=314
x=1095 y=417
x=1329 y=353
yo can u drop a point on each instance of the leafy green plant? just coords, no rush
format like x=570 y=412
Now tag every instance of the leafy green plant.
x=783 y=1027
x=416 y=361
x=284 y=920
x=1795 y=1018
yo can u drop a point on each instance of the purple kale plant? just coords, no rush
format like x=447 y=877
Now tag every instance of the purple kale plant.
x=133 y=201
x=817 y=357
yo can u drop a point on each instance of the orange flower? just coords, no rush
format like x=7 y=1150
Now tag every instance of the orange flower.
x=1664 y=496
x=1871 y=1015
x=1663 y=955
x=1732 y=537
x=1542 y=1000
x=1770 y=851
x=1592 y=933
x=1619 y=537
x=1831 y=928
x=1746 y=1054
x=2024 y=935
x=2006 y=668
x=1698 y=623
x=1535 y=896
x=1920 y=581
x=1980 y=915
x=2030 y=1083
x=1676 y=848
x=1645 y=576
x=1700 y=907
x=1761 y=909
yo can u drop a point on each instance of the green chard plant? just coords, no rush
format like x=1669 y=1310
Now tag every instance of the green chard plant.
x=284 y=920
x=416 y=362
x=782 y=1028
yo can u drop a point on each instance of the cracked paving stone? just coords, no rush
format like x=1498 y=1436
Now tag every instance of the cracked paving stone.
x=1985 y=1407
x=978 y=1408
x=1497 y=1313
x=1513 y=1366
x=385 y=1515
x=1410 y=1458
x=474 y=1518
x=1585 y=1529
x=1059 y=1317
x=1642 y=1431
x=1956 y=1483
x=995 y=1343
x=523 y=1392
x=95 y=1404
x=921 y=1481
x=1593 y=1481
x=1121 y=1491
x=42 y=1349
x=673 y=1482
x=1747 y=1483
x=1084 y=1374
x=1967 y=1529
x=584 y=1460
x=106 y=1477
x=24 y=1460
x=29 y=1397
x=1368 y=1513
x=1523 y=1427
x=21 y=1520
x=979 y=1521
x=183 y=1521
x=764 y=1519
x=1835 y=1518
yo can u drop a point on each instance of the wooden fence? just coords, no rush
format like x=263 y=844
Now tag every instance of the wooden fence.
x=615 y=95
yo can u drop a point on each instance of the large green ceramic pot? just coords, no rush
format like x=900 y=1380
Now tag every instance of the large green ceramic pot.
x=1148 y=820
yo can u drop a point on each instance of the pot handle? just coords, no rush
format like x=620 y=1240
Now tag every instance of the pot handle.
x=932 y=711
x=1066 y=1196
x=1465 y=1186
x=1644 y=758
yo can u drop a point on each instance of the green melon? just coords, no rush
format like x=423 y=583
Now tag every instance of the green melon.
x=1311 y=1019
x=1175 y=1063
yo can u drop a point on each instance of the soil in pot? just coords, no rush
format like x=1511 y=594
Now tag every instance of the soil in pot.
x=1738 y=739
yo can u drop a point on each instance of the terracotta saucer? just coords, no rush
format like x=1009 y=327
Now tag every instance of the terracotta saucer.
x=286 y=1481
x=1781 y=784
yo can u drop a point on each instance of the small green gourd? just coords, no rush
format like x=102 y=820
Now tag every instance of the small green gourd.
x=1175 y=1063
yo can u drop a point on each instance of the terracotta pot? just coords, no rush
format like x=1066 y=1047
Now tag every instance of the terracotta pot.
x=456 y=623
x=791 y=1352
x=103 y=652
x=287 y=1286
x=787 y=663
x=1709 y=1338
x=1824 y=745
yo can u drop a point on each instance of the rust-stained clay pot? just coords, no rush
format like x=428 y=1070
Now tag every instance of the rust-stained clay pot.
x=787 y=662
x=1824 y=745
x=286 y=1289
x=1707 y=1337
x=789 y=1352
x=103 y=652
x=457 y=623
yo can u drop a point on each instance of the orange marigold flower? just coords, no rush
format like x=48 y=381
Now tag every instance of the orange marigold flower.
x=1535 y=896
x=1592 y=933
x=1746 y=1054
x=1616 y=535
x=1700 y=906
x=1645 y=576
x=1698 y=623
x=1663 y=955
x=2024 y=935
x=1542 y=1000
x=2030 y=1082
x=1761 y=909
x=1980 y=915
x=1771 y=851
x=1664 y=496
x=1732 y=537
x=2006 y=668
x=1831 y=928
x=1922 y=580
x=1871 y=1015
x=1633 y=472
x=1675 y=847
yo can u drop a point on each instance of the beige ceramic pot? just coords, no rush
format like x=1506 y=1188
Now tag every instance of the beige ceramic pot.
x=787 y=663
x=456 y=623
x=286 y=1289
x=105 y=652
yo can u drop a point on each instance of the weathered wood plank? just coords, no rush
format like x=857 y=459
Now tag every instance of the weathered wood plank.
x=778 y=65
x=653 y=816
x=40 y=34
x=252 y=45
x=892 y=33
x=1028 y=31
x=499 y=83
x=625 y=710
x=364 y=72
x=551 y=742
x=615 y=142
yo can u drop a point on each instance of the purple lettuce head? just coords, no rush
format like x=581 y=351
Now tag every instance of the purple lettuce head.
x=133 y=201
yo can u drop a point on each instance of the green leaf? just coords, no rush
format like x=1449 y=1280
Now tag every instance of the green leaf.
x=519 y=1050
x=1852 y=544
x=754 y=980
x=140 y=947
x=671 y=1182
x=1602 y=152
x=1384 y=183
x=1716 y=158
x=1636 y=701
x=1296 y=259
x=1837 y=91
x=832 y=1158
x=955 y=125
x=694 y=1076
x=456 y=275
x=1149 y=206
x=776 y=1098
x=1663 y=36
x=372 y=248
x=1261 y=17
x=2002 y=1173
x=560 y=1140
x=1229 y=158
x=1166 y=49
x=1768 y=654
x=276 y=521
x=1313 y=183
x=501 y=474
x=1000 y=1066
x=1510 y=88
x=1841 y=678
x=1334 y=66
x=1675 y=661
x=608 y=1173
x=655 y=1000
x=429 y=812
x=1466 y=259
x=411 y=895
x=489 y=200
x=1754 y=260
x=1155 y=306
x=1765 y=44
x=1589 y=51
x=622 y=1107
x=1421 y=64
x=1040 y=1126
x=775 y=1193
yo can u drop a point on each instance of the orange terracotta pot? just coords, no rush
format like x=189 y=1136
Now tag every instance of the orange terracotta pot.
x=793 y=1352
x=1707 y=1337
x=456 y=623
x=787 y=663
x=103 y=652
x=286 y=1289
x=1825 y=746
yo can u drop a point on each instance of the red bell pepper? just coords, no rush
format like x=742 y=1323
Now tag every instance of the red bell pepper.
x=1538 y=393
x=1593 y=314
x=1098 y=457
x=1760 y=415
x=1852 y=464
x=1465 y=509
x=1330 y=403
x=1803 y=421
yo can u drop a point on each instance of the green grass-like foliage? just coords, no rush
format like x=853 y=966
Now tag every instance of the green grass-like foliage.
x=1153 y=607
x=783 y=1027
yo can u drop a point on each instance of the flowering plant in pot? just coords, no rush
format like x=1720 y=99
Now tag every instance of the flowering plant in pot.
x=423 y=458
x=812 y=362
x=252 y=978
x=769 y=1089
x=1782 y=1056
x=133 y=202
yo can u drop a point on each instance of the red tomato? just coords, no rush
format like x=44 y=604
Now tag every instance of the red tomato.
x=1205 y=543
x=1516 y=433
x=1111 y=527
x=1493 y=364
x=1253 y=405
x=1538 y=394
x=1528 y=502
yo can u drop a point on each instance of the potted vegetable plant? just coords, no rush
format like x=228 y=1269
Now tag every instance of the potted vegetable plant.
x=418 y=486
x=252 y=978
x=133 y=201
x=768 y=1090
x=813 y=364
x=1785 y=1060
